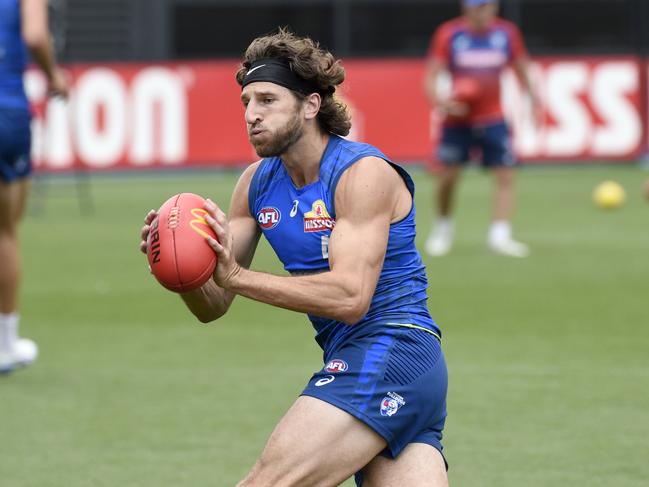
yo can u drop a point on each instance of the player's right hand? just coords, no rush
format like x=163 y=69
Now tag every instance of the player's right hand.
x=144 y=233
x=223 y=245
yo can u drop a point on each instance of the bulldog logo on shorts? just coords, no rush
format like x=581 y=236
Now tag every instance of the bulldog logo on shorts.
x=391 y=404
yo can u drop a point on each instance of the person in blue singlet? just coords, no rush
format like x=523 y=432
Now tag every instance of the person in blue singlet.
x=341 y=218
x=23 y=30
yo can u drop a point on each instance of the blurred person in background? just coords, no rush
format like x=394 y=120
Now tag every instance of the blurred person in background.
x=475 y=48
x=23 y=29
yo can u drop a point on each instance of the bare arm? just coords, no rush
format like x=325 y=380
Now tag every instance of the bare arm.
x=433 y=70
x=35 y=32
x=368 y=196
x=212 y=301
x=522 y=69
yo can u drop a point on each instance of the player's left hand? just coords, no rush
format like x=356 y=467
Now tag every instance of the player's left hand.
x=144 y=232
x=226 y=265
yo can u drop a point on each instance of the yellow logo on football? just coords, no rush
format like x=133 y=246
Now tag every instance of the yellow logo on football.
x=199 y=219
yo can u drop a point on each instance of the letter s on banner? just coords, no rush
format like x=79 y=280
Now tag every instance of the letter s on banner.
x=566 y=81
x=613 y=83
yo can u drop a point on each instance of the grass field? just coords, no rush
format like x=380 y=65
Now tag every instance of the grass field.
x=548 y=356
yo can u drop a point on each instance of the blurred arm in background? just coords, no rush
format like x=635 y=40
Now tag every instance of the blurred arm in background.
x=434 y=68
x=521 y=67
x=36 y=33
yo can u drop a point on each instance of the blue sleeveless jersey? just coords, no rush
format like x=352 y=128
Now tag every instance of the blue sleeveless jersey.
x=297 y=222
x=13 y=57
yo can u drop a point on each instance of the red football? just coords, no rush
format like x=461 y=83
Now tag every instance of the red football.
x=179 y=255
x=466 y=90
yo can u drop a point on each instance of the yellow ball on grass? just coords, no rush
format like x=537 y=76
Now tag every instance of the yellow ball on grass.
x=609 y=195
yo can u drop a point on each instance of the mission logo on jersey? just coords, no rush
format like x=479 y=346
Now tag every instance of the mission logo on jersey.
x=318 y=219
x=268 y=217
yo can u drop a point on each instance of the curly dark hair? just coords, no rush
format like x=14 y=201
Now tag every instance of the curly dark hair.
x=310 y=62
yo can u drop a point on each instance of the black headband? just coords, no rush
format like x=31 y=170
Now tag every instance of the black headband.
x=278 y=71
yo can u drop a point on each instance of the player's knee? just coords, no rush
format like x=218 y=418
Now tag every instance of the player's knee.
x=505 y=176
x=8 y=224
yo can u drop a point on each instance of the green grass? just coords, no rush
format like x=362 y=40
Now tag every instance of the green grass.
x=548 y=356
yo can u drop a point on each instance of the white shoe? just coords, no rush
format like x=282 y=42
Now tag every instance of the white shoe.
x=439 y=241
x=509 y=247
x=23 y=353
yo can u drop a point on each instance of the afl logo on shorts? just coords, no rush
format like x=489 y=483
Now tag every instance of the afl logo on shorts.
x=336 y=365
x=268 y=217
x=391 y=404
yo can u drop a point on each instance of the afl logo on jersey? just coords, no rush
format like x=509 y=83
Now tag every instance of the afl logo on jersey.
x=268 y=217
x=336 y=365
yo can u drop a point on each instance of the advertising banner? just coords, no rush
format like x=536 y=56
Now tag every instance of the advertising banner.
x=139 y=116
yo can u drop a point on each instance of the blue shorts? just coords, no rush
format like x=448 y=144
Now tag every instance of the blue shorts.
x=493 y=141
x=15 y=144
x=394 y=380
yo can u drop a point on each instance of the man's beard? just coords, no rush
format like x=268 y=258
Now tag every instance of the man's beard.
x=281 y=140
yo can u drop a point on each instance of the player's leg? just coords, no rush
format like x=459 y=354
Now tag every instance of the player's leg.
x=504 y=193
x=418 y=465
x=12 y=203
x=453 y=153
x=495 y=141
x=315 y=445
x=446 y=183
x=389 y=390
x=14 y=351
x=15 y=167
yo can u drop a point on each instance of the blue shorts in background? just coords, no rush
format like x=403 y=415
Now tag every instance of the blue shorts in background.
x=15 y=144
x=394 y=380
x=493 y=141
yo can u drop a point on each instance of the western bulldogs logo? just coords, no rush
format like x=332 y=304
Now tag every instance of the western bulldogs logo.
x=336 y=365
x=268 y=217
x=318 y=219
x=391 y=404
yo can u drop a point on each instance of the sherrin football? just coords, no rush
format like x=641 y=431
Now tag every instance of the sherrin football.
x=466 y=90
x=179 y=255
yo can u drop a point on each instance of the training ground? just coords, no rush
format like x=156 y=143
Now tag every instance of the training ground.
x=548 y=356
